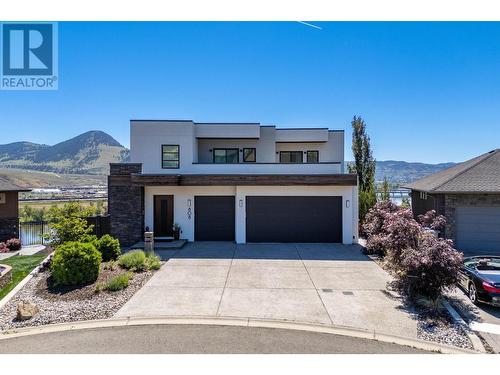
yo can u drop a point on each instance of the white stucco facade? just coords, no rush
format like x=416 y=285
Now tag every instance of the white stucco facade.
x=184 y=201
x=197 y=141
x=196 y=144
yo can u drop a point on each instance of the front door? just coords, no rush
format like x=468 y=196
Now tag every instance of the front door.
x=164 y=215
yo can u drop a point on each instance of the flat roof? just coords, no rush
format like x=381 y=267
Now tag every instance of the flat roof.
x=239 y=123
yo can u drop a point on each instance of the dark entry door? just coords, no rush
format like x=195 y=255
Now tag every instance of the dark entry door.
x=164 y=215
x=293 y=219
x=214 y=218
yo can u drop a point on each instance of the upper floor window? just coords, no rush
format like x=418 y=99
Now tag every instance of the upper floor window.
x=249 y=155
x=226 y=156
x=290 y=156
x=170 y=156
x=313 y=156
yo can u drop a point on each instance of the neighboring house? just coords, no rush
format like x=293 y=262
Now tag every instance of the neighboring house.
x=468 y=194
x=233 y=182
x=9 y=209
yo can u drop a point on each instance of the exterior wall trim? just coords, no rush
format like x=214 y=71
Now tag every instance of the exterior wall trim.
x=249 y=180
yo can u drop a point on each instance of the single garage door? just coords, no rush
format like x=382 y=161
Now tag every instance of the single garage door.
x=478 y=230
x=293 y=219
x=214 y=218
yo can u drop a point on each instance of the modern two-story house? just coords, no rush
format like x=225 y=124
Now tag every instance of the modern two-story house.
x=241 y=182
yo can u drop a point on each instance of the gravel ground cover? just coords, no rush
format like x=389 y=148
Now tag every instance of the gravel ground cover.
x=69 y=304
x=443 y=330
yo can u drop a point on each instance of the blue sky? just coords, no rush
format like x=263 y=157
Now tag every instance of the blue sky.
x=429 y=92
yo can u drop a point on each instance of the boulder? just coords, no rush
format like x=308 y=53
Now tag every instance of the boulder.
x=26 y=310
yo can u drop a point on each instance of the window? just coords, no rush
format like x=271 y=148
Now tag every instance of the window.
x=313 y=156
x=226 y=156
x=249 y=155
x=423 y=195
x=170 y=156
x=290 y=156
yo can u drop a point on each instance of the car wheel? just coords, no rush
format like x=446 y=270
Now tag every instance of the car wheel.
x=473 y=293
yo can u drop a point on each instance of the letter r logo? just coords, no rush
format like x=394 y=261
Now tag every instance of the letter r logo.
x=27 y=49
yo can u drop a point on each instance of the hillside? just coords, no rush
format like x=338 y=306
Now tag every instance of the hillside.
x=90 y=154
x=402 y=172
x=87 y=153
x=37 y=179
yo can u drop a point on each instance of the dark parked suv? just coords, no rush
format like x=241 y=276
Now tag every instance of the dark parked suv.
x=480 y=278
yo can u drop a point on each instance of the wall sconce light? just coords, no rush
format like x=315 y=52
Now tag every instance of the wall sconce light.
x=240 y=202
x=189 y=202
x=210 y=150
x=348 y=203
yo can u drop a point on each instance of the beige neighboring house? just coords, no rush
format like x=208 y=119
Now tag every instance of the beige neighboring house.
x=9 y=209
x=468 y=194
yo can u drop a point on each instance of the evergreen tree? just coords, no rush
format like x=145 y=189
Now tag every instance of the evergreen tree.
x=364 y=166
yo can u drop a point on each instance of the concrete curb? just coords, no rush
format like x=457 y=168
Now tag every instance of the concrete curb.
x=242 y=322
x=21 y=284
x=476 y=342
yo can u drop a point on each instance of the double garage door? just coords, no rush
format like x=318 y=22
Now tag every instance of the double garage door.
x=478 y=230
x=270 y=218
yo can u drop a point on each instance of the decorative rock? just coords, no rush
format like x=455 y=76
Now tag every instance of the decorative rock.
x=26 y=310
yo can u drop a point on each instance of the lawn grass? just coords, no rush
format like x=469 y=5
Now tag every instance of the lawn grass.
x=21 y=265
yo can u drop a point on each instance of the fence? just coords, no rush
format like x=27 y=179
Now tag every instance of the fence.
x=34 y=232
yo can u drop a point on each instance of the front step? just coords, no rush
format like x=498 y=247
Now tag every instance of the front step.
x=164 y=239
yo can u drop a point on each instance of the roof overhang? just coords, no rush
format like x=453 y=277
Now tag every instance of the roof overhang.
x=242 y=180
x=19 y=190
x=477 y=192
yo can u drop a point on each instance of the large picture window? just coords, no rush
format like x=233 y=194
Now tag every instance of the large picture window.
x=290 y=156
x=170 y=156
x=226 y=156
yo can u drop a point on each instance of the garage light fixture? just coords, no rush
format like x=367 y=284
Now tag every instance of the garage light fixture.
x=348 y=203
x=189 y=202
x=240 y=202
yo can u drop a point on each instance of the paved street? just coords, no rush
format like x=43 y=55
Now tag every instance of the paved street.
x=316 y=283
x=193 y=339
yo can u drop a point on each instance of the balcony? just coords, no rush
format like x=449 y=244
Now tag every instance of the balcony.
x=266 y=168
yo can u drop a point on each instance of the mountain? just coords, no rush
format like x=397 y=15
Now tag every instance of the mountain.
x=87 y=153
x=91 y=153
x=399 y=172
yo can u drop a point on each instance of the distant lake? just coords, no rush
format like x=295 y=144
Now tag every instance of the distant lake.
x=397 y=196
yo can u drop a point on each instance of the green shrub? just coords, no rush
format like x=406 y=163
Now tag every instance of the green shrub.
x=138 y=261
x=90 y=238
x=109 y=247
x=134 y=260
x=119 y=282
x=75 y=263
x=69 y=229
x=152 y=262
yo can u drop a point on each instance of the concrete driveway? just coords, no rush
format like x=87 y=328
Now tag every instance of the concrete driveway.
x=316 y=283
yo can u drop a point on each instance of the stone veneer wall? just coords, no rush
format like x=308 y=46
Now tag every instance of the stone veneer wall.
x=459 y=200
x=125 y=204
x=9 y=228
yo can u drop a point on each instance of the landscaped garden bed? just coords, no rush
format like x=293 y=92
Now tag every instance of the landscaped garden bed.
x=440 y=327
x=67 y=304
x=85 y=278
x=423 y=267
